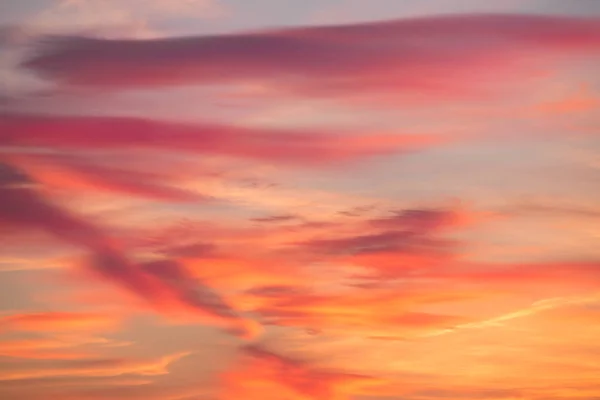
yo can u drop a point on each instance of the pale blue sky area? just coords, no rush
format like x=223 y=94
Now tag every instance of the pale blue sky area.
x=243 y=14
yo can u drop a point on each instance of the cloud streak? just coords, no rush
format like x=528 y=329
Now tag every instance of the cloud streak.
x=456 y=54
x=85 y=175
x=66 y=132
x=59 y=321
x=96 y=368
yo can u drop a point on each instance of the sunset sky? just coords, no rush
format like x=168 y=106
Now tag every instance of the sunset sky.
x=299 y=199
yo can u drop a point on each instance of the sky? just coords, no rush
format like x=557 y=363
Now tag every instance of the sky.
x=299 y=199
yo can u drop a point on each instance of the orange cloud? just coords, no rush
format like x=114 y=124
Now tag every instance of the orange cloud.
x=55 y=348
x=79 y=387
x=367 y=311
x=197 y=296
x=60 y=321
x=95 y=368
x=268 y=375
x=522 y=275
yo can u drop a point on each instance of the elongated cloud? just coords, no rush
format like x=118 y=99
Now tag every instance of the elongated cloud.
x=96 y=368
x=84 y=175
x=451 y=54
x=70 y=132
x=59 y=321
x=582 y=273
x=408 y=239
x=54 y=347
x=360 y=310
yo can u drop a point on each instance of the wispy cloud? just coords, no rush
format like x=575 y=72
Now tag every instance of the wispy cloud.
x=96 y=367
x=136 y=18
x=62 y=347
x=59 y=321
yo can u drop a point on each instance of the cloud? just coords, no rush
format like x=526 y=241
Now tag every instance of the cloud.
x=188 y=289
x=154 y=282
x=95 y=368
x=23 y=206
x=85 y=174
x=26 y=209
x=65 y=132
x=447 y=56
x=172 y=291
x=408 y=239
x=268 y=374
x=275 y=255
x=385 y=286
x=517 y=275
x=366 y=311
x=59 y=321
x=276 y=218
x=391 y=241
x=545 y=306
x=102 y=388
x=76 y=387
x=55 y=347
x=135 y=18
x=199 y=296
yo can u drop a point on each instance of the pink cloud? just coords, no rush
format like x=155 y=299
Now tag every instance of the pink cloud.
x=86 y=174
x=456 y=55
x=281 y=146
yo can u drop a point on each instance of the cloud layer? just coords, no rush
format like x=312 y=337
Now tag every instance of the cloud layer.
x=302 y=213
